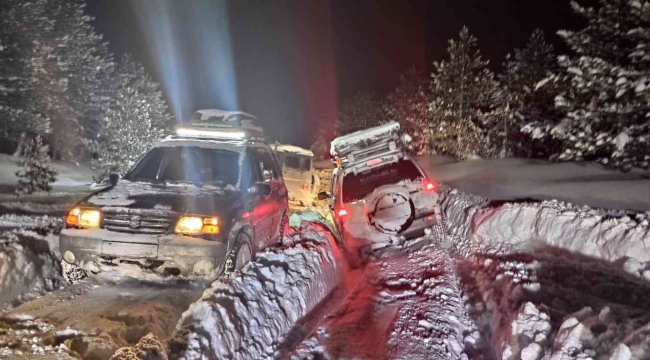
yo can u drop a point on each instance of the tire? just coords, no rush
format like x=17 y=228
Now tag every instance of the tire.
x=239 y=256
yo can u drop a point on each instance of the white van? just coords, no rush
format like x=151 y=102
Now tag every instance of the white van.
x=297 y=170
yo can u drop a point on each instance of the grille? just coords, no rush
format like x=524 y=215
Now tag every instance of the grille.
x=137 y=221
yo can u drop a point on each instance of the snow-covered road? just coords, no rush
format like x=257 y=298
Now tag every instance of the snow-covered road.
x=404 y=304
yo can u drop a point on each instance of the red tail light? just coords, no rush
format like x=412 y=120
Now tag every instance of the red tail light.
x=429 y=186
x=342 y=213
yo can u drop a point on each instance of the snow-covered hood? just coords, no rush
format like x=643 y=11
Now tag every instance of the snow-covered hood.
x=179 y=198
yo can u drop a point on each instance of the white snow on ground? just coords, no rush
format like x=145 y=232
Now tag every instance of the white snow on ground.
x=70 y=178
x=246 y=317
x=511 y=179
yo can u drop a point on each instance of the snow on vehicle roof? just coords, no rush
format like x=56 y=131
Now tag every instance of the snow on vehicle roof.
x=293 y=149
x=345 y=142
x=207 y=114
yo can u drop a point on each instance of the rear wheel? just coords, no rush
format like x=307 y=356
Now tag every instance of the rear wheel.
x=240 y=254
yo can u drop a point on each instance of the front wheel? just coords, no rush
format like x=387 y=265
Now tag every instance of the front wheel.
x=240 y=255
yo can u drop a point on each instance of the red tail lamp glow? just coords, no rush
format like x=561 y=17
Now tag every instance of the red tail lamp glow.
x=342 y=213
x=429 y=186
x=374 y=162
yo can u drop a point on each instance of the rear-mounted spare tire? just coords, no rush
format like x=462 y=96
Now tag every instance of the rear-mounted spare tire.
x=389 y=209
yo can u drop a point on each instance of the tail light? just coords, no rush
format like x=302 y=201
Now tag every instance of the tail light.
x=341 y=213
x=429 y=186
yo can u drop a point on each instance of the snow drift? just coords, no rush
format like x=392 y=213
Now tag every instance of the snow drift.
x=28 y=266
x=557 y=281
x=612 y=236
x=246 y=317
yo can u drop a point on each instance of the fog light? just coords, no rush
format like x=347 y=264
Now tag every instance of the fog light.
x=68 y=256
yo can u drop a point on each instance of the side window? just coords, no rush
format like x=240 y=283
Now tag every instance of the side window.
x=264 y=160
x=292 y=161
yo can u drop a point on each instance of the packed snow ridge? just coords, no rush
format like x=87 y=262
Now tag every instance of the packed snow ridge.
x=247 y=316
x=612 y=236
x=28 y=266
x=551 y=280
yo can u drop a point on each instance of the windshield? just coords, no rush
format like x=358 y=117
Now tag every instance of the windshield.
x=357 y=186
x=188 y=164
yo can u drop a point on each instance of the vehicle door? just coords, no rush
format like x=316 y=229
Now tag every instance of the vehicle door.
x=267 y=211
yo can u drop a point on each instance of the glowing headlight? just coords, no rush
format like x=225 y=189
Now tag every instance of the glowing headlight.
x=196 y=225
x=84 y=218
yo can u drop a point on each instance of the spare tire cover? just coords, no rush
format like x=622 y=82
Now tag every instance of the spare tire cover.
x=389 y=209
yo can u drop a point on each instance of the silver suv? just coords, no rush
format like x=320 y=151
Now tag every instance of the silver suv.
x=378 y=190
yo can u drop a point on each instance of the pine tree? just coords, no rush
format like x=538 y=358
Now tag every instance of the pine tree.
x=36 y=172
x=409 y=105
x=359 y=112
x=54 y=68
x=607 y=103
x=137 y=117
x=525 y=101
x=18 y=114
x=461 y=91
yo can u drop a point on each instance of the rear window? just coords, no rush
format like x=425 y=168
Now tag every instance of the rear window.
x=356 y=187
x=292 y=161
x=188 y=164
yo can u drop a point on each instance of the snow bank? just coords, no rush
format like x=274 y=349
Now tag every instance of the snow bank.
x=246 y=317
x=558 y=281
x=558 y=305
x=523 y=227
x=28 y=266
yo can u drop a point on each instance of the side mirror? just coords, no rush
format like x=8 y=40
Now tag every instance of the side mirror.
x=259 y=189
x=113 y=178
x=323 y=195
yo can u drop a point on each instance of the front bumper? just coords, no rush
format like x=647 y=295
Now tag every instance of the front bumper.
x=169 y=254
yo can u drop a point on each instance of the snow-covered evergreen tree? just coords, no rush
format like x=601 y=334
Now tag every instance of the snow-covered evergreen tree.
x=52 y=74
x=524 y=101
x=461 y=91
x=36 y=172
x=137 y=117
x=18 y=115
x=361 y=111
x=409 y=105
x=608 y=102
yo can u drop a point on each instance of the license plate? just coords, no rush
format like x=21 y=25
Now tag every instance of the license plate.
x=129 y=249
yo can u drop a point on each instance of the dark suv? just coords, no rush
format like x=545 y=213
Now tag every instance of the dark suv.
x=200 y=202
x=379 y=194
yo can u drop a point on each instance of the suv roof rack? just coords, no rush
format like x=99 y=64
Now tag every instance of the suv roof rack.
x=366 y=149
x=220 y=124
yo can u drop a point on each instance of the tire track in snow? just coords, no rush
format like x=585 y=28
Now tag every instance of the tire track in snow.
x=406 y=304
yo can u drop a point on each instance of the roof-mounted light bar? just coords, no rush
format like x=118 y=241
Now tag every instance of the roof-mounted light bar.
x=215 y=134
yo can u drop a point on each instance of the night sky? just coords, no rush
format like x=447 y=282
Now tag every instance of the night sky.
x=291 y=61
